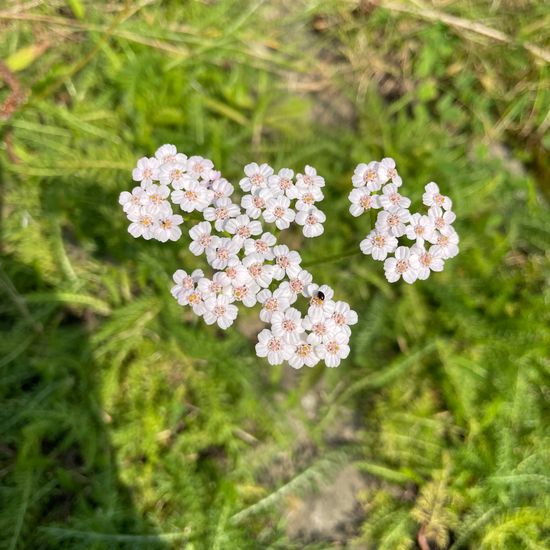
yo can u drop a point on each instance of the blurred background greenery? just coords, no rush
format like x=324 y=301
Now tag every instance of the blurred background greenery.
x=125 y=423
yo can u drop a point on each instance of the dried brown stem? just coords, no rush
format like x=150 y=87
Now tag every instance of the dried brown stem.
x=467 y=25
x=16 y=96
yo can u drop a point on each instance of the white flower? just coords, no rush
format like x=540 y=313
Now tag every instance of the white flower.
x=242 y=227
x=214 y=287
x=278 y=211
x=246 y=291
x=194 y=299
x=219 y=310
x=256 y=176
x=221 y=188
x=366 y=174
x=194 y=197
x=143 y=224
x=312 y=220
x=387 y=171
x=321 y=292
x=297 y=284
x=391 y=197
x=173 y=173
x=131 y=202
x=154 y=199
x=256 y=202
x=168 y=154
x=184 y=284
x=167 y=228
x=146 y=171
x=222 y=210
x=307 y=196
x=420 y=228
x=392 y=221
x=287 y=262
x=400 y=266
x=221 y=251
x=278 y=300
x=272 y=347
x=334 y=349
x=310 y=179
x=234 y=273
x=441 y=220
x=261 y=272
x=361 y=200
x=447 y=243
x=320 y=299
x=201 y=238
x=282 y=182
x=424 y=261
x=303 y=353
x=378 y=244
x=432 y=197
x=261 y=246
x=199 y=167
x=287 y=325
x=343 y=316
x=321 y=326
x=212 y=176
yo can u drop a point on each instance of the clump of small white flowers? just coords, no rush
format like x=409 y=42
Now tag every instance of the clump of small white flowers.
x=249 y=266
x=321 y=335
x=269 y=195
x=377 y=186
x=168 y=175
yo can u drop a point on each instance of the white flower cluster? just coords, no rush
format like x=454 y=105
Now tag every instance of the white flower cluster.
x=269 y=195
x=190 y=182
x=322 y=334
x=377 y=187
x=250 y=267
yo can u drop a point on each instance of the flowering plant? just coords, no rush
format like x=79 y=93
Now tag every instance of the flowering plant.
x=395 y=220
x=250 y=266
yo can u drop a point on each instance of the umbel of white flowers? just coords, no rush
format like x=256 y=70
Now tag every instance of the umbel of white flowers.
x=250 y=267
x=435 y=240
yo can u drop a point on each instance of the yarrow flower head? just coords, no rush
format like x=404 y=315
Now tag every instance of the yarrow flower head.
x=199 y=167
x=257 y=176
x=334 y=349
x=287 y=262
x=361 y=200
x=242 y=228
x=193 y=196
x=149 y=206
x=146 y=171
x=273 y=302
x=222 y=211
x=185 y=284
x=394 y=221
x=220 y=310
x=366 y=175
x=131 y=202
x=168 y=155
x=283 y=182
x=201 y=235
x=387 y=170
x=249 y=266
x=378 y=244
x=312 y=220
x=279 y=212
x=264 y=246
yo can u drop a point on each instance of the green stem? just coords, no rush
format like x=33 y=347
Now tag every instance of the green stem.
x=337 y=257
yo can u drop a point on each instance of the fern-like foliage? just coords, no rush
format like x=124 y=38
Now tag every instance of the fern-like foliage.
x=124 y=423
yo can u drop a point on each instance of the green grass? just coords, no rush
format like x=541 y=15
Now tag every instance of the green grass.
x=125 y=423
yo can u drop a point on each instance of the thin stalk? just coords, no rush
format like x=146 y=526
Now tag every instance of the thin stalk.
x=337 y=257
